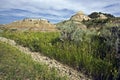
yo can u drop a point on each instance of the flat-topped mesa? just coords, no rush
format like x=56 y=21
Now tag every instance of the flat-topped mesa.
x=34 y=24
x=35 y=19
x=80 y=16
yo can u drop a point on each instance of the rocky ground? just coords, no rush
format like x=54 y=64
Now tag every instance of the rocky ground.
x=62 y=69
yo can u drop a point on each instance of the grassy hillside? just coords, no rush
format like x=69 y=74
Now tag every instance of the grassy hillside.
x=15 y=65
x=91 y=55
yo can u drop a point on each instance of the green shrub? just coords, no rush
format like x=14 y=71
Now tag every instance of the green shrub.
x=15 y=65
x=86 y=55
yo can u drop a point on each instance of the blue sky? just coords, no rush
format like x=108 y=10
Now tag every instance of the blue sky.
x=53 y=10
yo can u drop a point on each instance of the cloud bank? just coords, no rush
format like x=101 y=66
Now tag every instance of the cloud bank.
x=54 y=10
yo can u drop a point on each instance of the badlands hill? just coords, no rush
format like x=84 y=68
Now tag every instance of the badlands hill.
x=80 y=16
x=95 y=20
x=31 y=24
x=75 y=19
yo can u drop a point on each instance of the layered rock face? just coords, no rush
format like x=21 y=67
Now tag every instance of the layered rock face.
x=79 y=16
x=76 y=20
x=32 y=24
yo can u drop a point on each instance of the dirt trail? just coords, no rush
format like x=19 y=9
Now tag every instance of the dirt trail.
x=62 y=69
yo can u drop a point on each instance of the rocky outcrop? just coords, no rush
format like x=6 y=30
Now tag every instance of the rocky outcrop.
x=102 y=16
x=79 y=16
x=75 y=20
x=32 y=24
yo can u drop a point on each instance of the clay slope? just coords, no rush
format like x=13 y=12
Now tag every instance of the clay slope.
x=32 y=24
